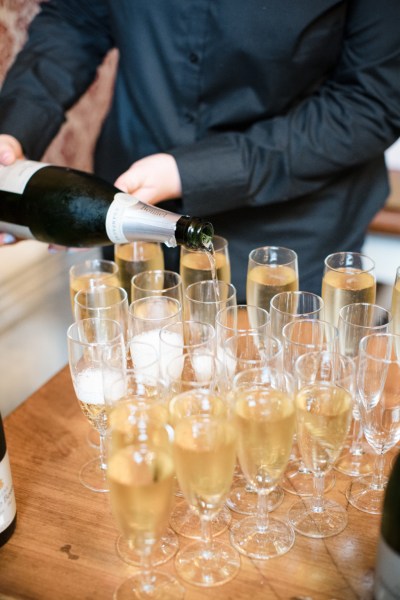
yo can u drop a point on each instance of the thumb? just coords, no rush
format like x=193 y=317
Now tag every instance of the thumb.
x=127 y=182
x=10 y=150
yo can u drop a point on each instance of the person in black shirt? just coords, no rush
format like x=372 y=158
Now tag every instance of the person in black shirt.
x=270 y=117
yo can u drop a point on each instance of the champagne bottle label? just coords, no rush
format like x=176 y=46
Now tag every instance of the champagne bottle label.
x=7 y=499
x=14 y=178
x=387 y=582
x=115 y=215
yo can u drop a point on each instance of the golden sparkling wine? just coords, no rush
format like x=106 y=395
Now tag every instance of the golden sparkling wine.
x=89 y=281
x=140 y=411
x=264 y=281
x=205 y=460
x=131 y=260
x=141 y=487
x=196 y=266
x=346 y=286
x=187 y=404
x=396 y=308
x=89 y=391
x=266 y=424
x=324 y=415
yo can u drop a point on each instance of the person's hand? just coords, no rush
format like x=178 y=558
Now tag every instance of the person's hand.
x=10 y=149
x=152 y=179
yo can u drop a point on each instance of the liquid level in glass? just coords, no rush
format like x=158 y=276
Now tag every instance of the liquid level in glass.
x=264 y=281
x=136 y=258
x=196 y=266
x=346 y=286
x=89 y=281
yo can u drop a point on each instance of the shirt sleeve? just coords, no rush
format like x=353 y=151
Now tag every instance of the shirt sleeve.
x=67 y=41
x=350 y=119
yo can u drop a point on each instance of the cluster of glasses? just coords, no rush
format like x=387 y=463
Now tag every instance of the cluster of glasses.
x=206 y=407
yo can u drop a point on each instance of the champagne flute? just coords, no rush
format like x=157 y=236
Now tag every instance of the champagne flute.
x=136 y=257
x=378 y=394
x=271 y=270
x=292 y=306
x=89 y=343
x=355 y=322
x=300 y=337
x=141 y=479
x=204 y=299
x=241 y=318
x=324 y=398
x=157 y=283
x=90 y=273
x=129 y=394
x=265 y=418
x=103 y=302
x=348 y=278
x=396 y=303
x=196 y=265
x=205 y=456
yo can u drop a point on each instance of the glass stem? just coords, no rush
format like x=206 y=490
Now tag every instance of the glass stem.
x=102 y=456
x=356 y=442
x=206 y=537
x=318 y=493
x=378 y=478
x=262 y=511
x=146 y=570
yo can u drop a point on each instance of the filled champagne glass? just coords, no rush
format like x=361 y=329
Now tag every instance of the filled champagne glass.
x=197 y=265
x=265 y=420
x=90 y=342
x=355 y=322
x=140 y=476
x=103 y=302
x=205 y=456
x=349 y=277
x=136 y=257
x=292 y=306
x=90 y=273
x=378 y=395
x=324 y=399
x=158 y=282
x=271 y=270
x=396 y=303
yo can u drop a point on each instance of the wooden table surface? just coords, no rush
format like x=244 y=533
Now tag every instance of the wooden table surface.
x=64 y=544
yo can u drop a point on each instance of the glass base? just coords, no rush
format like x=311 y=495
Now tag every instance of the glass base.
x=162 y=551
x=161 y=587
x=362 y=494
x=355 y=464
x=243 y=499
x=216 y=566
x=298 y=480
x=185 y=521
x=331 y=521
x=93 y=477
x=262 y=544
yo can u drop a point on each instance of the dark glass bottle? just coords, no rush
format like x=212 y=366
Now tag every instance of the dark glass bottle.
x=64 y=206
x=387 y=572
x=8 y=511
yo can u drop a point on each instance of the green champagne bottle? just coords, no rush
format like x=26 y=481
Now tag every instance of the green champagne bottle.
x=64 y=206
x=8 y=511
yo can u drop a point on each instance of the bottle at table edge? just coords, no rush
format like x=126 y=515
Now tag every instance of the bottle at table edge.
x=59 y=205
x=8 y=510
x=387 y=571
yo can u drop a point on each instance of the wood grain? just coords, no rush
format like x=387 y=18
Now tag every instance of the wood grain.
x=64 y=544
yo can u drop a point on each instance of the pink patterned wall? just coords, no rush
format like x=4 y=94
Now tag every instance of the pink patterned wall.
x=74 y=144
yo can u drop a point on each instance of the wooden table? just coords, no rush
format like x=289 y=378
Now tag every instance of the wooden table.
x=64 y=544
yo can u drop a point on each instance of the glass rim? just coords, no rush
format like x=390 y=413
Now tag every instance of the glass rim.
x=100 y=288
x=321 y=322
x=117 y=338
x=147 y=299
x=208 y=283
x=90 y=261
x=355 y=254
x=281 y=264
x=156 y=271
x=202 y=324
x=386 y=335
x=346 y=360
x=237 y=308
x=353 y=306
x=297 y=293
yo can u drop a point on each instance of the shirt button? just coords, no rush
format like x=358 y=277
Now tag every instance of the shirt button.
x=193 y=57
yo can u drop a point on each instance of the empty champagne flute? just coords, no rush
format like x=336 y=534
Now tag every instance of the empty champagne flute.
x=271 y=270
x=355 y=322
x=157 y=283
x=136 y=257
x=300 y=337
x=204 y=299
x=141 y=480
x=197 y=265
x=90 y=273
x=265 y=419
x=90 y=342
x=292 y=306
x=378 y=395
x=103 y=302
x=205 y=456
x=241 y=318
x=396 y=303
x=324 y=399
x=348 y=278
